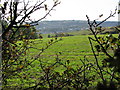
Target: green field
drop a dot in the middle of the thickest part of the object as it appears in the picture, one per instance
(72, 49)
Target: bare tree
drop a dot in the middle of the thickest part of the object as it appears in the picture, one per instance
(15, 15)
(108, 44)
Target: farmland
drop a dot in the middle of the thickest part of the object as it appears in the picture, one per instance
(59, 53)
(70, 51)
(71, 48)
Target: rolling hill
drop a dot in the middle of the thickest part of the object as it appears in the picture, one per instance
(46, 27)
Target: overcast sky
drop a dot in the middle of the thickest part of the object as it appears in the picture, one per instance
(78, 9)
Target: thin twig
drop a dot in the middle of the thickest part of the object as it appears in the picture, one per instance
(101, 74)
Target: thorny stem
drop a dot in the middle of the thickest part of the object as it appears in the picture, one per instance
(91, 26)
(96, 38)
(101, 74)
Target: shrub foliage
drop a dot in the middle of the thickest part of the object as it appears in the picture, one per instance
(20, 72)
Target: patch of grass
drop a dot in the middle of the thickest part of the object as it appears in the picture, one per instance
(75, 46)
(72, 48)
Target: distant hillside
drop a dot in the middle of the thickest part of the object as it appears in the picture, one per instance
(67, 26)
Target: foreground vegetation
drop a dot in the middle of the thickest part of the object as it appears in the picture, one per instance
(63, 62)
(70, 60)
(74, 62)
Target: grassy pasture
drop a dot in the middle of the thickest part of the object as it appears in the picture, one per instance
(72, 48)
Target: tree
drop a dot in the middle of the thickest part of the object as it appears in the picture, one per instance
(110, 63)
(17, 65)
(15, 18)
(28, 33)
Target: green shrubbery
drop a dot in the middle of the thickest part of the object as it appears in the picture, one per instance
(23, 70)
